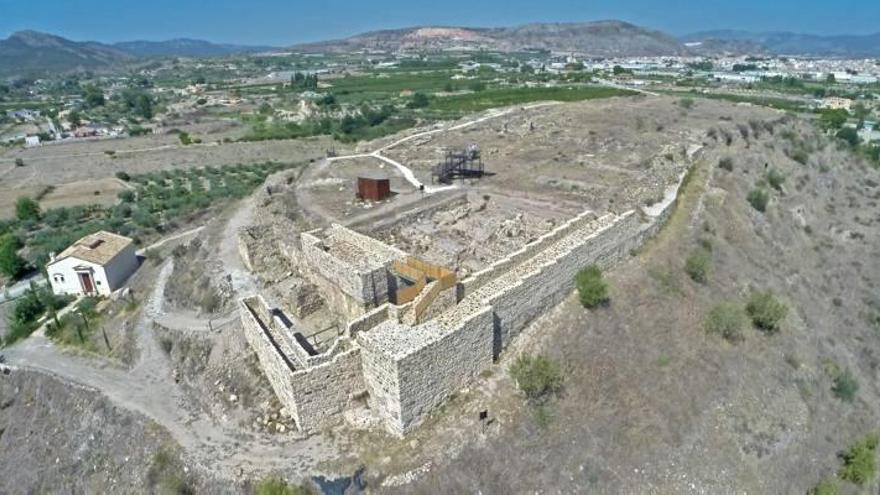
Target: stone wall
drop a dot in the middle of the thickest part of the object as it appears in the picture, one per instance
(409, 371)
(315, 393)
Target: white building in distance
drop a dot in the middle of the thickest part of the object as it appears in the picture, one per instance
(95, 265)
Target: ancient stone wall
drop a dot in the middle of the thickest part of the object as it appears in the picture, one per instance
(408, 371)
(319, 390)
(325, 390)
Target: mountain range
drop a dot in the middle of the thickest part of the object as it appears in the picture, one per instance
(785, 43)
(31, 52)
(600, 39)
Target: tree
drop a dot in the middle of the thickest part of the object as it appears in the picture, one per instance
(138, 102)
(93, 96)
(831, 79)
(477, 86)
(850, 135)
(11, 264)
(74, 118)
(419, 100)
(832, 119)
(27, 209)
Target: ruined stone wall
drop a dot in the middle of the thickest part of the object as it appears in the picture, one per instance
(409, 371)
(314, 393)
(341, 275)
(499, 267)
(550, 282)
(325, 390)
(381, 379)
(277, 368)
(433, 373)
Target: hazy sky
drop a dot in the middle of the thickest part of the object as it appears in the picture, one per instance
(280, 22)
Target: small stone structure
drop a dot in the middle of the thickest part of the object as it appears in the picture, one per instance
(407, 348)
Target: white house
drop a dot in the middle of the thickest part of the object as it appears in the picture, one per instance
(97, 264)
(31, 141)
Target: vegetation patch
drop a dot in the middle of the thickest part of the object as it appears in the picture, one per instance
(538, 377)
(860, 461)
(699, 265)
(592, 287)
(845, 386)
(766, 311)
(157, 203)
(277, 486)
(726, 320)
(758, 198)
(30, 309)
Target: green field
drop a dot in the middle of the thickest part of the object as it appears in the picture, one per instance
(458, 105)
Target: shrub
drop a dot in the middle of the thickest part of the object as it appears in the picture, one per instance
(859, 461)
(122, 175)
(126, 196)
(800, 155)
(538, 377)
(277, 486)
(726, 163)
(845, 386)
(698, 265)
(27, 209)
(726, 320)
(19, 162)
(686, 103)
(828, 486)
(758, 198)
(591, 286)
(775, 178)
(766, 311)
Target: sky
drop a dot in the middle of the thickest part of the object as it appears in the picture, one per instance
(282, 23)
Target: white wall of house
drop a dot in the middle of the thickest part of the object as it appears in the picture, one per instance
(64, 278)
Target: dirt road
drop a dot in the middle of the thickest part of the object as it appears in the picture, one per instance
(220, 447)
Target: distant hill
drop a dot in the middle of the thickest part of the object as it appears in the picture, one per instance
(184, 47)
(30, 52)
(35, 53)
(602, 38)
(784, 43)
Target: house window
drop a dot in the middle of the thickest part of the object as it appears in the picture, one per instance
(98, 282)
(58, 278)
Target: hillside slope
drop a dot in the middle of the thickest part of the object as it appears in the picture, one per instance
(784, 43)
(31, 52)
(652, 402)
(602, 38)
(184, 47)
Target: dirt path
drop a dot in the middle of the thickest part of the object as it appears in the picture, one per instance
(407, 172)
(218, 446)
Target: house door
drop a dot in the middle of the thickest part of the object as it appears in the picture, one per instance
(88, 285)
